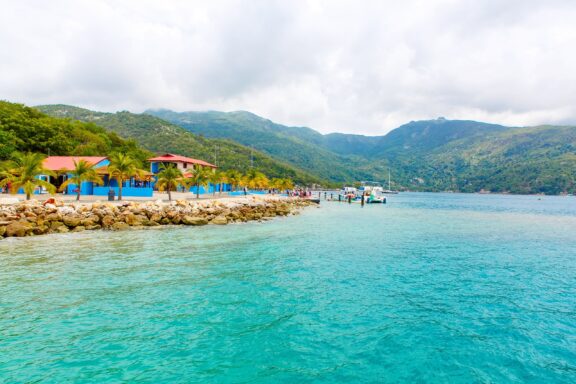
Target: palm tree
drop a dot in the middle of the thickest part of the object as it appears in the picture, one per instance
(23, 171)
(216, 177)
(200, 177)
(234, 177)
(169, 178)
(256, 179)
(82, 172)
(122, 167)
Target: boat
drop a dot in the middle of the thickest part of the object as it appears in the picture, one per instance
(389, 191)
(347, 192)
(372, 191)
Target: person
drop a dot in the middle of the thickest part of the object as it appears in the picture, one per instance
(245, 191)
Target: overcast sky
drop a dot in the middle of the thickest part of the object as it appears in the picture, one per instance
(346, 66)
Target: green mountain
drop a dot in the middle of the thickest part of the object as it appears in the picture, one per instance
(302, 147)
(431, 155)
(27, 129)
(158, 135)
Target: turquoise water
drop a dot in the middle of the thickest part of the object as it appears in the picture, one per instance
(431, 288)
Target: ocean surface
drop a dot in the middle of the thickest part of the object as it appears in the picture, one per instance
(430, 288)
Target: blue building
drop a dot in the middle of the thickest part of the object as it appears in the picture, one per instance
(64, 165)
(186, 165)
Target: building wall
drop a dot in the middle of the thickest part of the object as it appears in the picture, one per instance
(126, 191)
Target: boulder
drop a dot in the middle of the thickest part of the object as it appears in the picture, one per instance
(190, 220)
(55, 225)
(156, 217)
(120, 226)
(53, 217)
(62, 229)
(2, 230)
(18, 229)
(219, 220)
(108, 221)
(71, 221)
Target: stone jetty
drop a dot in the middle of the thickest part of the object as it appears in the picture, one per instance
(36, 218)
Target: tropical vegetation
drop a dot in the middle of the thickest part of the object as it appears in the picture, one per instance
(22, 172)
(169, 178)
(200, 177)
(122, 167)
(82, 172)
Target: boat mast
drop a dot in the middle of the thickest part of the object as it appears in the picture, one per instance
(389, 180)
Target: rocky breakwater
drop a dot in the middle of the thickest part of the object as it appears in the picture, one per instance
(34, 218)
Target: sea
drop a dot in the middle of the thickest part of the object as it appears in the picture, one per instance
(428, 288)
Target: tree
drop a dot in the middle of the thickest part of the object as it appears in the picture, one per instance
(256, 180)
(200, 177)
(216, 177)
(234, 177)
(82, 172)
(23, 171)
(123, 167)
(169, 178)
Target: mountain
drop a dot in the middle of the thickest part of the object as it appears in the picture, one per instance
(158, 135)
(302, 147)
(429, 155)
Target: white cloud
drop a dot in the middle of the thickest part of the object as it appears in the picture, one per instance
(348, 66)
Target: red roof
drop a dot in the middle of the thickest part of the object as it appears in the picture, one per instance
(57, 163)
(170, 158)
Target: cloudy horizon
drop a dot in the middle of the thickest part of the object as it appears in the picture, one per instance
(362, 67)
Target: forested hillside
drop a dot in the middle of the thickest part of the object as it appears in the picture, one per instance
(27, 129)
(159, 135)
(430, 155)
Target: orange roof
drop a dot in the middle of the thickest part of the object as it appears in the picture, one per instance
(170, 158)
(58, 163)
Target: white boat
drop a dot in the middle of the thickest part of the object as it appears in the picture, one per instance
(373, 193)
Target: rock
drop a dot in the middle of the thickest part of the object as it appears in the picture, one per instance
(120, 226)
(18, 229)
(89, 221)
(219, 220)
(79, 228)
(108, 221)
(53, 217)
(41, 229)
(190, 220)
(71, 221)
(62, 229)
(165, 221)
(55, 225)
(92, 227)
(156, 217)
(2, 230)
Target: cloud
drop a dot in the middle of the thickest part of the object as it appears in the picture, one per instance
(334, 65)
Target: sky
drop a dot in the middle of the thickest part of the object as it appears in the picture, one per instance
(359, 66)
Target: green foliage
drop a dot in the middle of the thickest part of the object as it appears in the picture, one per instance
(200, 177)
(123, 167)
(27, 129)
(168, 179)
(430, 155)
(159, 135)
(83, 171)
(22, 171)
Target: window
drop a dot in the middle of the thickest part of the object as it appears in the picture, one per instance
(185, 165)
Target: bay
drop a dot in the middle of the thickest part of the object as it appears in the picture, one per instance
(429, 288)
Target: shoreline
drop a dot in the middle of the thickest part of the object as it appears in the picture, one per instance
(32, 218)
